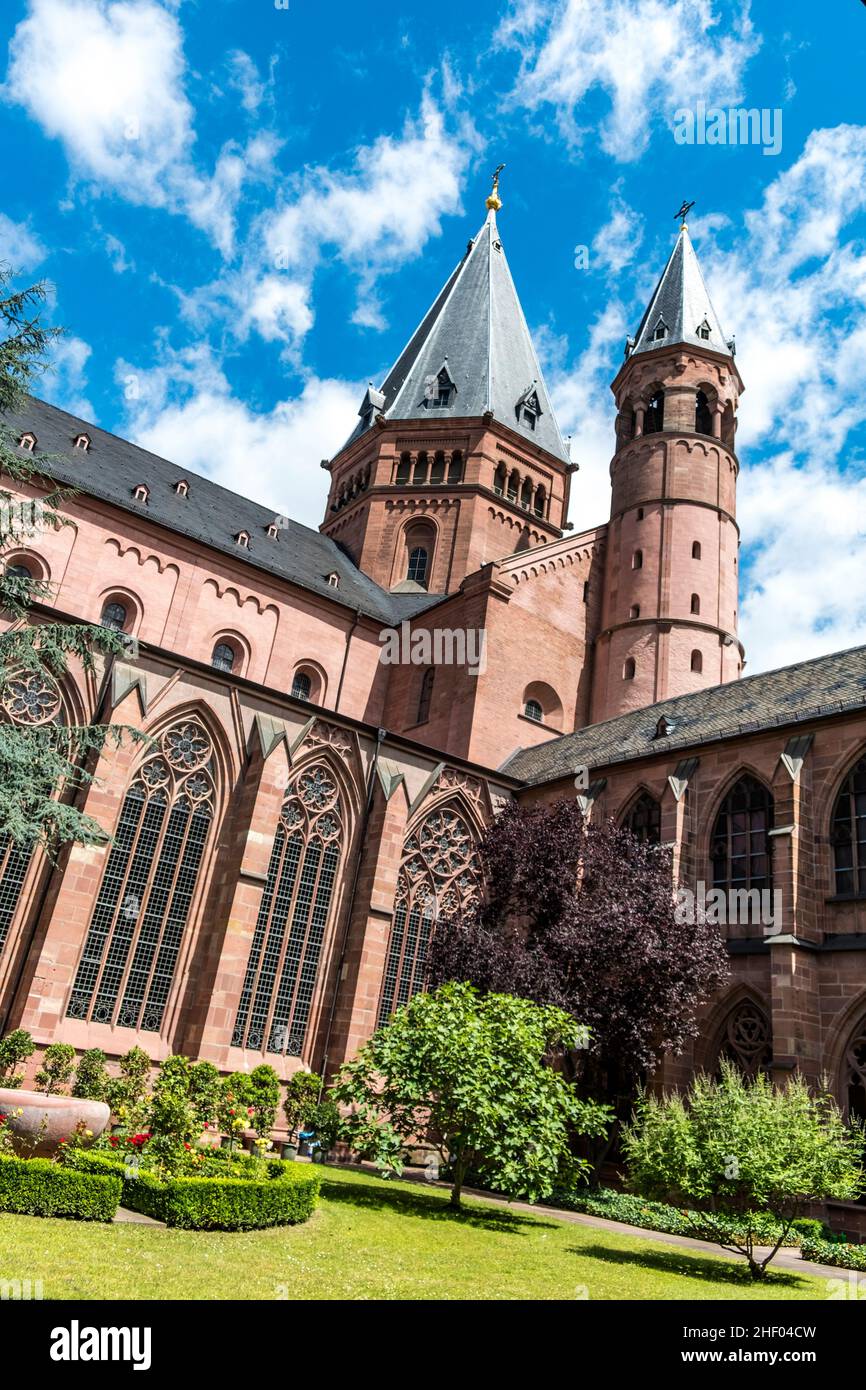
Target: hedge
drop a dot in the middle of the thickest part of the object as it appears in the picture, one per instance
(38, 1187)
(828, 1252)
(287, 1195)
(658, 1216)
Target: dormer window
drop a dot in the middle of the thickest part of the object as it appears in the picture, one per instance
(81, 441)
(182, 488)
(243, 539)
(273, 531)
(141, 493)
(529, 418)
(529, 408)
(664, 728)
(704, 330)
(371, 404)
(439, 390)
(334, 580)
(660, 332)
(28, 442)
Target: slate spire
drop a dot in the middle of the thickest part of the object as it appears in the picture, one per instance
(680, 310)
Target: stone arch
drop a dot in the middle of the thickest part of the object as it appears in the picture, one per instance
(707, 829)
(842, 768)
(718, 1025)
(846, 1027)
(642, 800)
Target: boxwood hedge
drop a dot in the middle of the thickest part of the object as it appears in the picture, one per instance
(38, 1187)
(828, 1252)
(284, 1194)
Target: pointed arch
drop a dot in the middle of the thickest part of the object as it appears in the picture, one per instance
(643, 816)
(847, 830)
(738, 843)
(739, 1029)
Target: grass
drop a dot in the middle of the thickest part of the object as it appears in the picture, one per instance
(374, 1239)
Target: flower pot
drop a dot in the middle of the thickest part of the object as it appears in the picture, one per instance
(289, 1151)
(48, 1119)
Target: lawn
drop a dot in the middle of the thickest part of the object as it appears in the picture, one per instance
(374, 1239)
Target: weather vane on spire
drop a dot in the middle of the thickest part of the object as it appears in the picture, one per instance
(685, 209)
(494, 202)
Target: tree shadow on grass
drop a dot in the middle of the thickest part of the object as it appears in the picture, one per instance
(430, 1206)
(678, 1261)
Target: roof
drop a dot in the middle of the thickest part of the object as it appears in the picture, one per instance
(476, 329)
(814, 689)
(680, 300)
(112, 468)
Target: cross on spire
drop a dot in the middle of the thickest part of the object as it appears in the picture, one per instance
(494, 202)
(684, 210)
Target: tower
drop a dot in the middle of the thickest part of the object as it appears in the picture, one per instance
(669, 616)
(457, 459)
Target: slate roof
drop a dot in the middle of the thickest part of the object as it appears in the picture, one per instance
(680, 298)
(477, 324)
(812, 689)
(113, 467)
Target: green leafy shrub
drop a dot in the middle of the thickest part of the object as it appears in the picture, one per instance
(128, 1092)
(281, 1194)
(235, 1113)
(204, 1092)
(659, 1216)
(263, 1093)
(301, 1100)
(38, 1187)
(58, 1063)
(15, 1048)
(91, 1079)
(831, 1252)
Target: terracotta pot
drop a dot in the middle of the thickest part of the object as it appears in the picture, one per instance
(55, 1116)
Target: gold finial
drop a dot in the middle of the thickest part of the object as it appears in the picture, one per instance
(494, 202)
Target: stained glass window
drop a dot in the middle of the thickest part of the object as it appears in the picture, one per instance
(741, 841)
(849, 832)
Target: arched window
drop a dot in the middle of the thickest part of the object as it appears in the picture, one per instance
(854, 1074)
(696, 550)
(425, 695)
(628, 669)
(500, 480)
(404, 468)
(417, 567)
(746, 1040)
(644, 820)
(513, 485)
(634, 611)
(284, 958)
(697, 662)
(637, 560)
(419, 473)
(114, 616)
(455, 467)
(223, 657)
(438, 876)
(654, 415)
(138, 924)
(301, 686)
(437, 472)
(540, 500)
(532, 710)
(848, 833)
(526, 495)
(703, 414)
(696, 603)
(19, 571)
(741, 837)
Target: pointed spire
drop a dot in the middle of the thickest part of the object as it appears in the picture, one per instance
(680, 310)
(475, 343)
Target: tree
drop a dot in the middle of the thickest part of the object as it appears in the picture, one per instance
(473, 1073)
(204, 1092)
(235, 1112)
(43, 762)
(58, 1063)
(172, 1115)
(582, 916)
(263, 1095)
(15, 1048)
(128, 1092)
(91, 1078)
(738, 1148)
(301, 1100)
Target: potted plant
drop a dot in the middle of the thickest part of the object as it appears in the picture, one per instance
(325, 1122)
(299, 1106)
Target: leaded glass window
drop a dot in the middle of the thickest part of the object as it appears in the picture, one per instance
(747, 1041)
(849, 832)
(854, 1079)
(284, 959)
(438, 876)
(135, 935)
(644, 820)
(741, 842)
(13, 867)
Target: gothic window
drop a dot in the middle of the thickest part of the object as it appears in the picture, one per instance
(14, 860)
(425, 695)
(29, 700)
(283, 964)
(301, 686)
(703, 414)
(697, 662)
(438, 877)
(741, 838)
(848, 833)
(417, 568)
(746, 1040)
(114, 616)
(854, 1075)
(654, 415)
(644, 820)
(628, 669)
(223, 657)
(532, 710)
(150, 877)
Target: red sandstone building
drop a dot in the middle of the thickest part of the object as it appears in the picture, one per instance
(305, 808)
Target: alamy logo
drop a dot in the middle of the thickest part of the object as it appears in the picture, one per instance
(731, 125)
(20, 1290)
(730, 907)
(438, 646)
(77, 1343)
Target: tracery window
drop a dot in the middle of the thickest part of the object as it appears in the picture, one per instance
(644, 820)
(741, 842)
(284, 957)
(134, 939)
(854, 1075)
(747, 1040)
(29, 699)
(848, 834)
(439, 875)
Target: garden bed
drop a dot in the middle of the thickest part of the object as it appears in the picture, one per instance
(38, 1187)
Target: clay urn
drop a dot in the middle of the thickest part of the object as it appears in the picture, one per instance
(48, 1119)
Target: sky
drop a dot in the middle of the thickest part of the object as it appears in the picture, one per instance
(243, 208)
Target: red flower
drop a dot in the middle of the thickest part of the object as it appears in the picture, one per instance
(187, 1146)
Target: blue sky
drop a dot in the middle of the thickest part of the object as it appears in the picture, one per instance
(245, 209)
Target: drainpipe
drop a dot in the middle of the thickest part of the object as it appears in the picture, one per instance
(381, 735)
(349, 635)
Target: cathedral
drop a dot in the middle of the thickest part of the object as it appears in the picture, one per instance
(335, 715)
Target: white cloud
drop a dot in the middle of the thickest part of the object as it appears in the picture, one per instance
(186, 411)
(618, 242)
(66, 376)
(107, 79)
(649, 57)
(20, 248)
